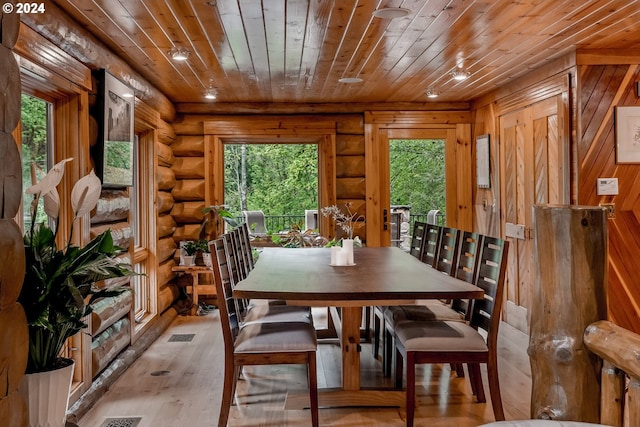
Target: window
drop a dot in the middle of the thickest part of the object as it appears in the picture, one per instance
(37, 149)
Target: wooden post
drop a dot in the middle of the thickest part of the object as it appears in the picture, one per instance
(570, 279)
(611, 403)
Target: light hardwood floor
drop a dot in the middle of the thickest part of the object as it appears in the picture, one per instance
(180, 383)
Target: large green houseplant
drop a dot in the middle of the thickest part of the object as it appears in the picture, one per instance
(58, 289)
(60, 283)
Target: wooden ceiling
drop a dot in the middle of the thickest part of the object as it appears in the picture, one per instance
(295, 51)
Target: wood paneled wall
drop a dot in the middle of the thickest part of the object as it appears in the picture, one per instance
(601, 88)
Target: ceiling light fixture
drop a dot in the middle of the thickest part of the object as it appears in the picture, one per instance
(210, 94)
(431, 93)
(460, 75)
(391, 12)
(350, 80)
(178, 54)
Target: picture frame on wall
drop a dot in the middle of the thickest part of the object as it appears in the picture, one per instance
(627, 134)
(114, 156)
(483, 162)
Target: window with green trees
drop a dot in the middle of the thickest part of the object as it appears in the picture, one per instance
(35, 149)
(417, 174)
(279, 179)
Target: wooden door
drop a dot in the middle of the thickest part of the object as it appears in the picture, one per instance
(534, 161)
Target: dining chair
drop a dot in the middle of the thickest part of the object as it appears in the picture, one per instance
(271, 343)
(415, 249)
(420, 342)
(245, 243)
(417, 236)
(431, 244)
(257, 311)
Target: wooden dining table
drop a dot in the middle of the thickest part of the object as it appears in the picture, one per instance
(380, 276)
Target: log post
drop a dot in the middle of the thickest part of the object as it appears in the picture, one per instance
(569, 294)
(633, 402)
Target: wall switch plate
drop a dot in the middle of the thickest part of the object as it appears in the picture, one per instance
(607, 186)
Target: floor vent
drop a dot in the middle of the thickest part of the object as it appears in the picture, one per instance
(181, 337)
(121, 422)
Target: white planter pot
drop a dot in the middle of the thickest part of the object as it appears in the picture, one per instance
(189, 260)
(206, 257)
(47, 396)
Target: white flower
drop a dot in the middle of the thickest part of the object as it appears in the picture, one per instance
(342, 220)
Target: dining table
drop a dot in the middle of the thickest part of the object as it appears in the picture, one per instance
(379, 276)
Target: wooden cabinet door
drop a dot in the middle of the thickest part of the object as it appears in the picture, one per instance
(534, 161)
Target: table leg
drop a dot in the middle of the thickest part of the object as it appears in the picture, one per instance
(350, 340)
(194, 292)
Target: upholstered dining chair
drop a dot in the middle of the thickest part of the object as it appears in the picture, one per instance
(415, 249)
(420, 342)
(270, 343)
(257, 311)
(431, 244)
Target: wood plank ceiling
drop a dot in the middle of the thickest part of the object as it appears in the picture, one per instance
(264, 51)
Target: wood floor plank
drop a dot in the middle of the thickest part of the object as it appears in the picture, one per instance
(189, 392)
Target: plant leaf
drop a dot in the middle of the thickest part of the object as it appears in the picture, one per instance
(50, 180)
(52, 203)
(85, 194)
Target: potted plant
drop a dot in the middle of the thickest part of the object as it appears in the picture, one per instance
(191, 248)
(59, 287)
(203, 245)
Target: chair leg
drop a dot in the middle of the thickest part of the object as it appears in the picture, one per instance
(411, 389)
(399, 370)
(376, 334)
(313, 389)
(228, 390)
(459, 369)
(494, 389)
(387, 350)
(475, 377)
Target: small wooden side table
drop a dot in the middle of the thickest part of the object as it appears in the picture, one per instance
(196, 288)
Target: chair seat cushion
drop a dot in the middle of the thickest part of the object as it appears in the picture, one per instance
(276, 337)
(278, 313)
(430, 311)
(540, 423)
(439, 337)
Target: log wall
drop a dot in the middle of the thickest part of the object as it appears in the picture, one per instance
(14, 335)
(192, 182)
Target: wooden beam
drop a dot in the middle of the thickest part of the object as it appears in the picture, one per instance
(324, 108)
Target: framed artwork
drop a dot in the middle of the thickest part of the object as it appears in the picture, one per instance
(483, 162)
(628, 134)
(115, 157)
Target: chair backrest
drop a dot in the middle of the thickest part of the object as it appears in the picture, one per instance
(466, 266)
(239, 253)
(255, 221)
(492, 264)
(310, 219)
(246, 244)
(432, 216)
(229, 318)
(234, 271)
(416, 239)
(448, 250)
(430, 243)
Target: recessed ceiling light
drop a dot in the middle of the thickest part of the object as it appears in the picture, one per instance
(210, 94)
(460, 75)
(391, 12)
(432, 93)
(178, 54)
(350, 80)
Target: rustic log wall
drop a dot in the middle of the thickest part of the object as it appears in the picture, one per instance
(14, 336)
(191, 183)
(603, 85)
